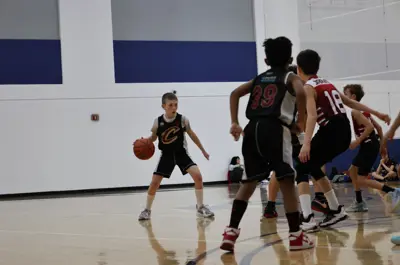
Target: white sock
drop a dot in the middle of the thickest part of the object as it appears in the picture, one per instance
(305, 202)
(199, 197)
(298, 233)
(332, 200)
(149, 202)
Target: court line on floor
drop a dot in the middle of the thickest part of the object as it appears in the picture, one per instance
(246, 260)
(121, 237)
(251, 254)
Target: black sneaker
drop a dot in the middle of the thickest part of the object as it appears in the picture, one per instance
(320, 205)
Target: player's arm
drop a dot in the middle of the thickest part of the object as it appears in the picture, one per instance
(394, 127)
(379, 169)
(193, 135)
(377, 127)
(361, 107)
(362, 120)
(236, 94)
(389, 135)
(311, 113)
(153, 136)
(301, 101)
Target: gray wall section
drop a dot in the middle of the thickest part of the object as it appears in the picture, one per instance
(29, 19)
(354, 38)
(183, 20)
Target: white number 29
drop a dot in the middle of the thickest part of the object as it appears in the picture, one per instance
(335, 101)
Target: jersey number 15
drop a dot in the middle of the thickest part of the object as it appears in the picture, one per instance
(263, 97)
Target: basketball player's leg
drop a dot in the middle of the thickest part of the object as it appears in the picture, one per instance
(319, 203)
(325, 146)
(256, 170)
(335, 143)
(364, 162)
(359, 168)
(282, 163)
(273, 189)
(186, 165)
(164, 169)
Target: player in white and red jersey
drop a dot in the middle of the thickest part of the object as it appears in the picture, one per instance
(367, 139)
(325, 105)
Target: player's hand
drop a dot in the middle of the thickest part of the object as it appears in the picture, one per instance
(354, 144)
(304, 155)
(236, 131)
(386, 137)
(385, 118)
(206, 155)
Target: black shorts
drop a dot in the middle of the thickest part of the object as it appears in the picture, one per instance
(169, 160)
(366, 156)
(330, 141)
(267, 147)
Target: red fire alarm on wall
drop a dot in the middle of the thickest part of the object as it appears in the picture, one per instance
(94, 117)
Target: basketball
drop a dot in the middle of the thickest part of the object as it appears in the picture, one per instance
(143, 148)
(396, 240)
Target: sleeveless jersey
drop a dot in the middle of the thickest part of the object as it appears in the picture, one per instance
(359, 128)
(328, 102)
(171, 135)
(270, 97)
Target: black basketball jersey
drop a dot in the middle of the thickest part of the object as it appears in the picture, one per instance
(270, 96)
(171, 135)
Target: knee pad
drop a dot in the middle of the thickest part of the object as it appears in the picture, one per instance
(317, 173)
(302, 178)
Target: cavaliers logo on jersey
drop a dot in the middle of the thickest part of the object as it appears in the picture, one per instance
(170, 135)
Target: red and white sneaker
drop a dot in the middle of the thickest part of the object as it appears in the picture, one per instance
(299, 240)
(230, 235)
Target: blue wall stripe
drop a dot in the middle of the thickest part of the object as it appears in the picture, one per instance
(343, 162)
(30, 62)
(184, 61)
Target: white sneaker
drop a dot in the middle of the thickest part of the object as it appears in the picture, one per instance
(308, 224)
(204, 211)
(145, 215)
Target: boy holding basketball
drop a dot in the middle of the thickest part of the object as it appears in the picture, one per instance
(170, 129)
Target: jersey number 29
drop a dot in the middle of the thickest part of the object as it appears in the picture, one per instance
(264, 97)
(335, 101)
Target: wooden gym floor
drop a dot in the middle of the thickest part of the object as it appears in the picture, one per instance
(104, 230)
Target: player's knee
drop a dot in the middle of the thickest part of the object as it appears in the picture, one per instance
(155, 183)
(197, 177)
(302, 173)
(361, 181)
(317, 173)
(302, 178)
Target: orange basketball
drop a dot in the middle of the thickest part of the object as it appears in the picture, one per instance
(143, 148)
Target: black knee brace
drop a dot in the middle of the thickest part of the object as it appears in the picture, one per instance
(302, 178)
(317, 173)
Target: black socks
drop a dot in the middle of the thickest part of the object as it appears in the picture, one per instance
(238, 209)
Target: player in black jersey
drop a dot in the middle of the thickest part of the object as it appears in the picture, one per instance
(170, 129)
(267, 146)
(273, 185)
(319, 202)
